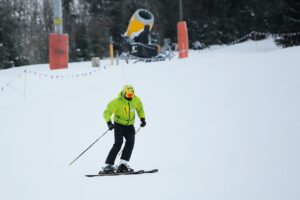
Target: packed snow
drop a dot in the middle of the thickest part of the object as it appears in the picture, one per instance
(221, 125)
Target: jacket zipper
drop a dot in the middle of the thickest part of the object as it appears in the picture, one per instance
(129, 113)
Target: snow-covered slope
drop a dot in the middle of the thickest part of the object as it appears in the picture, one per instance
(221, 125)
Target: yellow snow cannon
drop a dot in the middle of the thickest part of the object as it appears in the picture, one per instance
(137, 22)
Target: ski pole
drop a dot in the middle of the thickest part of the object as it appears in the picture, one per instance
(135, 134)
(138, 130)
(88, 147)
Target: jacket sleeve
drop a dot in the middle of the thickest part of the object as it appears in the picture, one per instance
(110, 109)
(140, 109)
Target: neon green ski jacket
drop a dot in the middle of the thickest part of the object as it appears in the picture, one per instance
(124, 110)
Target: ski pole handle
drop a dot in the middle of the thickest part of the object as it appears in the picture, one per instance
(88, 147)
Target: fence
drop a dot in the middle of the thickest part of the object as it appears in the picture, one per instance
(51, 75)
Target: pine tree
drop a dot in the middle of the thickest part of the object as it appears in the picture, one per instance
(291, 20)
(9, 48)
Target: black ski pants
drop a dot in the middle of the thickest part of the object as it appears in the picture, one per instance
(128, 132)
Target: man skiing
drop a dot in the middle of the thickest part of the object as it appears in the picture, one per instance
(123, 108)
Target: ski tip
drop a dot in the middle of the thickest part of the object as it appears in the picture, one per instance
(152, 171)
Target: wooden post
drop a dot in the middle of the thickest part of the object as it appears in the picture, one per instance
(111, 50)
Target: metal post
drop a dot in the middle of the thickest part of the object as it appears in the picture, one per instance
(58, 18)
(25, 83)
(117, 57)
(180, 11)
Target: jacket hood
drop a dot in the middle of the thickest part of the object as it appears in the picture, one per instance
(122, 93)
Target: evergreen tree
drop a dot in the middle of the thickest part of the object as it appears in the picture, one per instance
(26, 24)
(9, 47)
(291, 20)
(99, 26)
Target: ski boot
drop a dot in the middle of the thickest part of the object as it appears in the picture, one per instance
(108, 169)
(123, 168)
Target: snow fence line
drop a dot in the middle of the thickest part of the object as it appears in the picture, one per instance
(253, 34)
(49, 76)
(9, 83)
(250, 35)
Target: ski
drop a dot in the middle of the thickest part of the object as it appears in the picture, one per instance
(115, 174)
(126, 173)
(150, 171)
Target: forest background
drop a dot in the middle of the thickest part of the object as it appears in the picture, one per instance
(26, 24)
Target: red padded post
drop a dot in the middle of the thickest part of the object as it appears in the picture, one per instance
(58, 51)
(183, 40)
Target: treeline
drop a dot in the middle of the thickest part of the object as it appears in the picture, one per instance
(26, 24)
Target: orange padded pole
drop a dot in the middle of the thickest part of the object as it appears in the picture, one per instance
(183, 40)
(58, 51)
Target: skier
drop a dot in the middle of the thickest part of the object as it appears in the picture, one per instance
(123, 108)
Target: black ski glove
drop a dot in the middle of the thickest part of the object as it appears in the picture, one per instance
(110, 125)
(143, 122)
